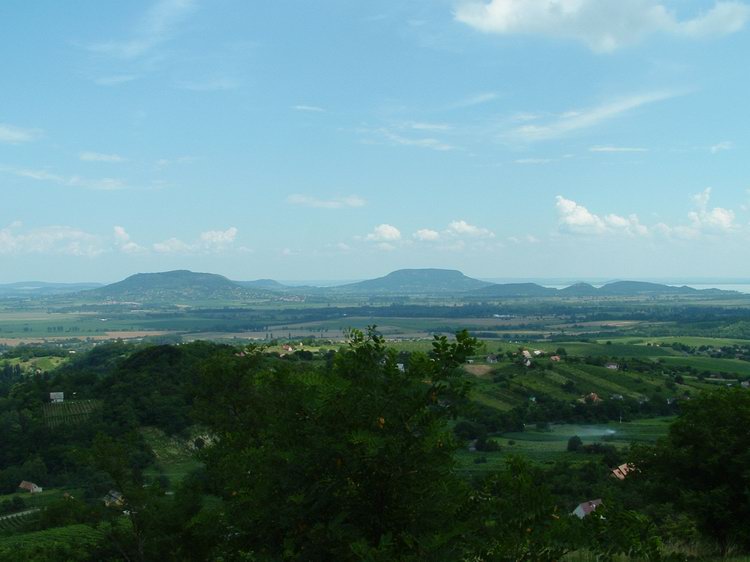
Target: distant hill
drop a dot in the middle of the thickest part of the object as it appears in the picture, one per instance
(176, 287)
(415, 281)
(269, 284)
(579, 290)
(614, 289)
(515, 290)
(636, 288)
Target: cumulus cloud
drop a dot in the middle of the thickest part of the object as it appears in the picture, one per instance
(603, 25)
(335, 203)
(715, 219)
(124, 243)
(463, 228)
(384, 233)
(10, 134)
(209, 242)
(64, 240)
(426, 235)
(575, 218)
(173, 246)
(218, 238)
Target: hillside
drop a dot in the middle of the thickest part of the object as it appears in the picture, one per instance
(635, 288)
(415, 281)
(515, 290)
(176, 286)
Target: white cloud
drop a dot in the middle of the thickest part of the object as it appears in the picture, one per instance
(716, 219)
(218, 239)
(428, 142)
(719, 147)
(10, 134)
(156, 27)
(209, 242)
(463, 228)
(630, 225)
(528, 239)
(173, 246)
(384, 233)
(309, 108)
(336, 203)
(426, 235)
(617, 149)
(115, 80)
(476, 99)
(124, 243)
(573, 121)
(99, 157)
(603, 25)
(64, 240)
(101, 184)
(575, 218)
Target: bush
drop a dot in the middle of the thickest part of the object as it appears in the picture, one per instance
(574, 444)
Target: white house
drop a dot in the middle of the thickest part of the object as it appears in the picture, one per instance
(586, 508)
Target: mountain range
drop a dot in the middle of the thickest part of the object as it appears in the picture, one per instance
(183, 286)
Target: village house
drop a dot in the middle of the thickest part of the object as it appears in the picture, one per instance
(586, 508)
(622, 471)
(113, 498)
(30, 487)
(56, 397)
(612, 366)
(555, 358)
(526, 353)
(492, 359)
(538, 353)
(591, 397)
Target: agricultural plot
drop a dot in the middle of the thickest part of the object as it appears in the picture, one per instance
(549, 446)
(727, 366)
(16, 522)
(508, 385)
(69, 412)
(65, 543)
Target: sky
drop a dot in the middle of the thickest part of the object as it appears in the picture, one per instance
(344, 139)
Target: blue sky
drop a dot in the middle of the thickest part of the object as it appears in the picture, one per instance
(341, 139)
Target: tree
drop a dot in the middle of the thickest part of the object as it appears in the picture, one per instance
(701, 466)
(574, 444)
(349, 462)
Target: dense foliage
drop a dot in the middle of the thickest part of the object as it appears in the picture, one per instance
(345, 456)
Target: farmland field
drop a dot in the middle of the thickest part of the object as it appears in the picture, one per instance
(549, 446)
(69, 412)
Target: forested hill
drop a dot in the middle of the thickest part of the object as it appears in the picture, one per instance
(416, 281)
(177, 286)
